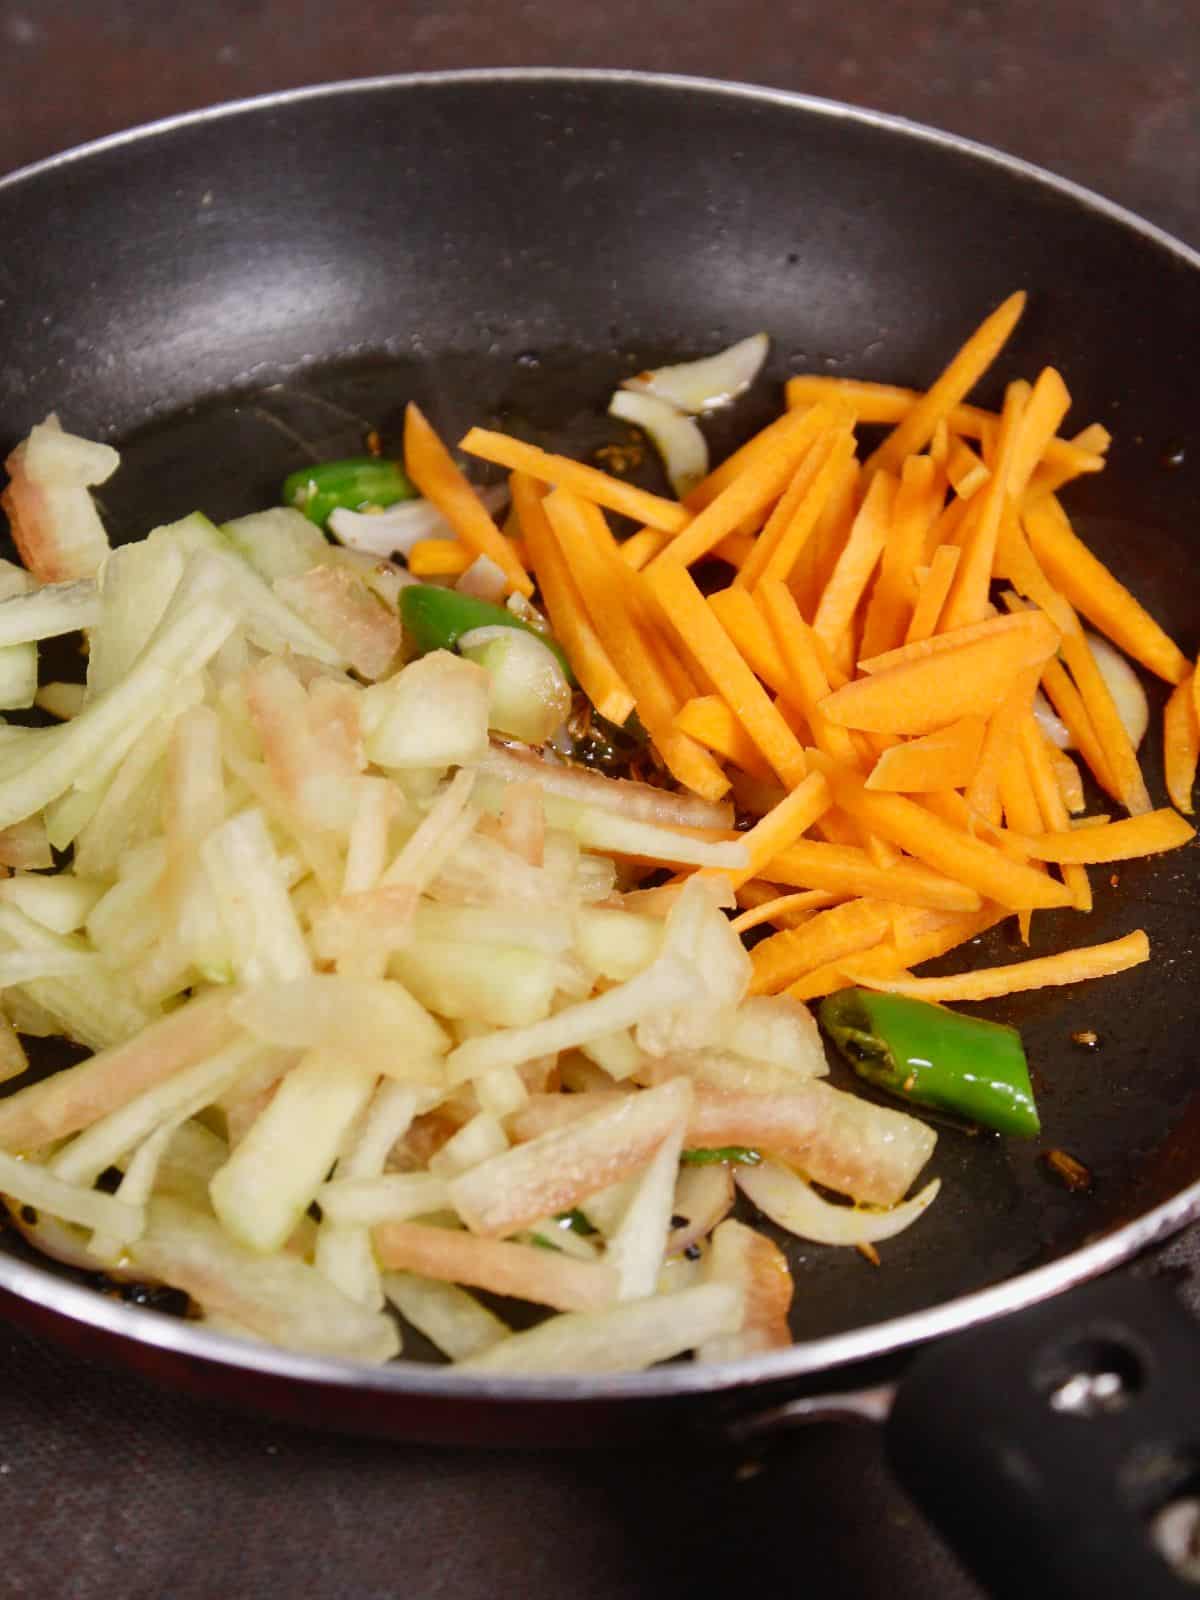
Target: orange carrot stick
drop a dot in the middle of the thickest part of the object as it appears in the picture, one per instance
(853, 570)
(931, 593)
(751, 491)
(1091, 588)
(1070, 966)
(895, 592)
(968, 598)
(1181, 743)
(431, 467)
(607, 582)
(781, 827)
(1042, 783)
(845, 869)
(695, 621)
(708, 720)
(1148, 834)
(592, 664)
(955, 382)
(944, 759)
(919, 696)
(805, 672)
(589, 483)
(886, 403)
(830, 936)
(921, 833)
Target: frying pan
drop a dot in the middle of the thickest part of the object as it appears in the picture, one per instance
(230, 293)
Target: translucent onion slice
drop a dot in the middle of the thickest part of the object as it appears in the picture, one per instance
(710, 382)
(1124, 685)
(678, 440)
(703, 1197)
(641, 801)
(1051, 723)
(383, 533)
(792, 1203)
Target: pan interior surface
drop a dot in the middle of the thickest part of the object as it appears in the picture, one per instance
(230, 296)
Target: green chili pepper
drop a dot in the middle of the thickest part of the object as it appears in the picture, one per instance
(356, 482)
(436, 619)
(737, 1154)
(576, 1222)
(935, 1057)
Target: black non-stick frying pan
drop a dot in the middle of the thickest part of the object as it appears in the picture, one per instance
(232, 293)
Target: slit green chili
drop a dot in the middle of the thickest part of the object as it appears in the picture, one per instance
(436, 619)
(350, 484)
(734, 1154)
(935, 1057)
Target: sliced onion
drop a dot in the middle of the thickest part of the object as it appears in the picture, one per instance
(710, 382)
(383, 533)
(483, 579)
(639, 800)
(792, 1203)
(1124, 685)
(1051, 723)
(703, 1197)
(678, 440)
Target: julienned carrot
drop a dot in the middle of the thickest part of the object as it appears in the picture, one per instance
(1181, 743)
(642, 547)
(755, 452)
(588, 482)
(606, 581)
(1051, 807)
(944, 759)
(893, 957)
(932, 590)
(749, 493)
(917, 830)
(796, 491)
(696, 622)
(967, 601)
(796, 646)
(887, 403)
(439, 558)
(1048, 405)
(853, 571)
(431, 467)
(781, 827)
(922, 695)
(763, 904)
(954, 383)
(1068, 703)
(745, 624)
(1022, 566)
(983, 787)
(778, 558)
(921, 649)
(564, 604)
(829, 936)
(820, 553)
(708, 720)
(1045, 972)
(1091, 588)
(848, 870)
(895, 592)
(966, 472)
(1146, 835)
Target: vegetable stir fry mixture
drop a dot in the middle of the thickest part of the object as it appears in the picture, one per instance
(395, 992)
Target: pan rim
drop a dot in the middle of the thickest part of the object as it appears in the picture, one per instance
(39, 1287)
(837, 110)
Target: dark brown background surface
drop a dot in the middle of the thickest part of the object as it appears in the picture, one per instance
(107, 1487)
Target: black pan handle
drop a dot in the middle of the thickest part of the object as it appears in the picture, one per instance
(1058, 1449)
